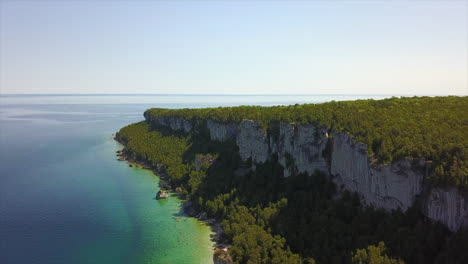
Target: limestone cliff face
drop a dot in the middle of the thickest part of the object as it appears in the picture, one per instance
(303, 145)
(447, 206)
(175, 123)
(392, 186)
(300, 148)
(253, 142)
(221, 131)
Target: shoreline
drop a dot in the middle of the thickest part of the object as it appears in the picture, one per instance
(220, 247)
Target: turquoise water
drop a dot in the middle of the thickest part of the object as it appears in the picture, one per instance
(66, 199)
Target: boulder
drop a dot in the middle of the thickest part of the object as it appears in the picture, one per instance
(162, 194)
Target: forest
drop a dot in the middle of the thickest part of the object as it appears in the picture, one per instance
(434, 128)
(268, 218)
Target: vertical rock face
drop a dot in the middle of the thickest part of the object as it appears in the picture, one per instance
(303, 144)
(221, 131)
(175, 123)
(448, 206)
(252, 142)
(309, 144)
(198, 162)
(390, 187)
(299, 149)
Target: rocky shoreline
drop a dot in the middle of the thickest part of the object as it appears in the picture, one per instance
(220, 254)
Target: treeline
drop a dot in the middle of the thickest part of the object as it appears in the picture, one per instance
(435, 128)
(315, 223)
(299, 219)
(251, 243)
(151, 146)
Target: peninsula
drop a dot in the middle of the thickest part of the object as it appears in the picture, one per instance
(334, 182)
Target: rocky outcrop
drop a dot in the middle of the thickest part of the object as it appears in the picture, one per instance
(392, 186)
(447, 206)
(221, 131)
(162, 194)
(301, 148)
(253, 142)
(203, 161)
(221, 256)
(175, 123)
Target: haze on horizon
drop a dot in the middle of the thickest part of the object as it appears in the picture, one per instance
(234, 47)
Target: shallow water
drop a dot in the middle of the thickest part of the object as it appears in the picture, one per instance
(66, 199)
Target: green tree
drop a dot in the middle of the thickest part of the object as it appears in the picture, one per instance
(374, 255)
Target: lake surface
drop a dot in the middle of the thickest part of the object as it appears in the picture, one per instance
(64, 198)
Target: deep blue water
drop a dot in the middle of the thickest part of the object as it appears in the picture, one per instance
(65, 199)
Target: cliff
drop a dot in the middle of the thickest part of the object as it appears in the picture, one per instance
(307, 148)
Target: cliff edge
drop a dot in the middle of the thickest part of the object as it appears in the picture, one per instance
(307, 148)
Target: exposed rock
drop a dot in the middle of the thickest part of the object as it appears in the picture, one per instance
(203, 161)
(175, 123)
(221, 131)
(163, 184)
(303, 145)
(162, 194)
(203, 216)
(448, 206)
(299, 149)
(180, 192)
(188, 208)
(390, 187)
(198, 163)
(252, 142)
(221, 256)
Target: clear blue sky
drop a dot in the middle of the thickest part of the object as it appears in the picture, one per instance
(234, 47)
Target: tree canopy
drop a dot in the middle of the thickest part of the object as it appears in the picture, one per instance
(268, 218)
(434, 128)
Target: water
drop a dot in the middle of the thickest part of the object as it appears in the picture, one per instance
(66, 199)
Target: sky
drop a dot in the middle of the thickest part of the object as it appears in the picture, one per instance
(234, 47)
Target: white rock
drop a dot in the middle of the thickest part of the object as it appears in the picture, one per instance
(304, 144)
(221, 131)
(175, 123)
(448, 206)
(252, 142)
(389, 187)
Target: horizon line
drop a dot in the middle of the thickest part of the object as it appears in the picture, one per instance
(188, 94)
